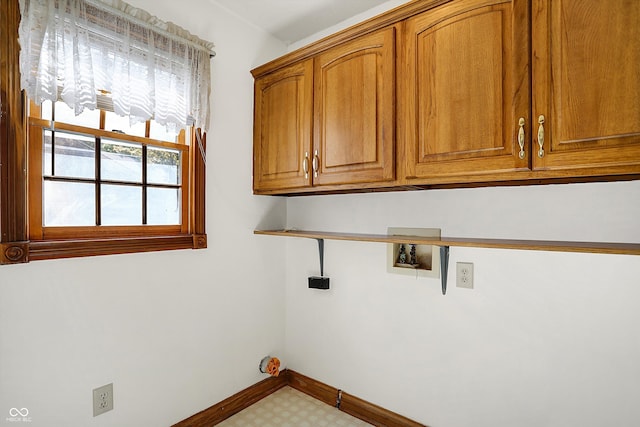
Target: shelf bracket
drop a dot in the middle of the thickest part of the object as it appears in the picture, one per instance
(444, 267)
(320, 282)
(321, 253)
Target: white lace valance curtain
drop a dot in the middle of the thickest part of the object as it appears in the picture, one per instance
(74, 49)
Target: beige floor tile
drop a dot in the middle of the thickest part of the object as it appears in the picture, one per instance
(288, 407)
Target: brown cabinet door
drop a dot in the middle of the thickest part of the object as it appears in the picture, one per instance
(465, 87)
(354, 131)
(586, 84)
(283, 108)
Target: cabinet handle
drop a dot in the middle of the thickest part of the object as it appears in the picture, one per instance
(541, 136)
(315, 163)
(305, 165)
(521, 137)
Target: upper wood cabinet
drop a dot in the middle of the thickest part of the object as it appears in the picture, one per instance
(455, 92)
(354, 111)
(283, 109)
(586, 85)
(468, 65)
(348, 94)
(465, 86)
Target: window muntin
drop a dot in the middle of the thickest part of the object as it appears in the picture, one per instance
(94, 178)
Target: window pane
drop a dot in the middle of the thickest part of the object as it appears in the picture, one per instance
(116, 123)
(88, 118)
(163, 166)
(46, 110)
(46, 153)
(69, 203)
(121, 205)
(121, 161)
(74, 155)
(160, 132)
(163, 206)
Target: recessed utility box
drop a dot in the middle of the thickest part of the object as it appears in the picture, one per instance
(425, 262)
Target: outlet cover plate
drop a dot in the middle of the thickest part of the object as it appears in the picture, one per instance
(464, 275)
(102, 399)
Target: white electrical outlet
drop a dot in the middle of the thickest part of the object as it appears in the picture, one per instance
(102, 399)
(464, 275)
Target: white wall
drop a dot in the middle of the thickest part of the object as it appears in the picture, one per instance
(374, 11)
(175, 331)
(544, 339)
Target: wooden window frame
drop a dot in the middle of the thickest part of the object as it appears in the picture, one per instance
(16, 246)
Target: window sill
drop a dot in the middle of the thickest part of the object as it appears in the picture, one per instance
(35, 250)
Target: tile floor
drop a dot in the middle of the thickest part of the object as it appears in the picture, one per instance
(288, 407)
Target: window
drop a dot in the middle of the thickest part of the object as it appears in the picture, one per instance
(83, 180)
(95, 170)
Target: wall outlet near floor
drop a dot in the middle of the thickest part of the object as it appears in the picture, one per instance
(102, 399)
(464, 275)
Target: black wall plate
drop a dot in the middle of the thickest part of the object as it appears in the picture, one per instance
(317, 282)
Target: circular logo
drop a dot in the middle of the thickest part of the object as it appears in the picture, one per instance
(14, 412)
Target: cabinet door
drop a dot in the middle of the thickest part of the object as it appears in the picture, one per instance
(466, 87)
(283, 108)
(354, 106)
(586, 84)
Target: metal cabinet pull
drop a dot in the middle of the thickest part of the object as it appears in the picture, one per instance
(315, 163)
(305, 165)
(521, 137)
(541, 136)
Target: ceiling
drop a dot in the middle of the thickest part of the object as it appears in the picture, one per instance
(293, 20)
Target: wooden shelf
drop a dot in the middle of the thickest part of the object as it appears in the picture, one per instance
(537, 245)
